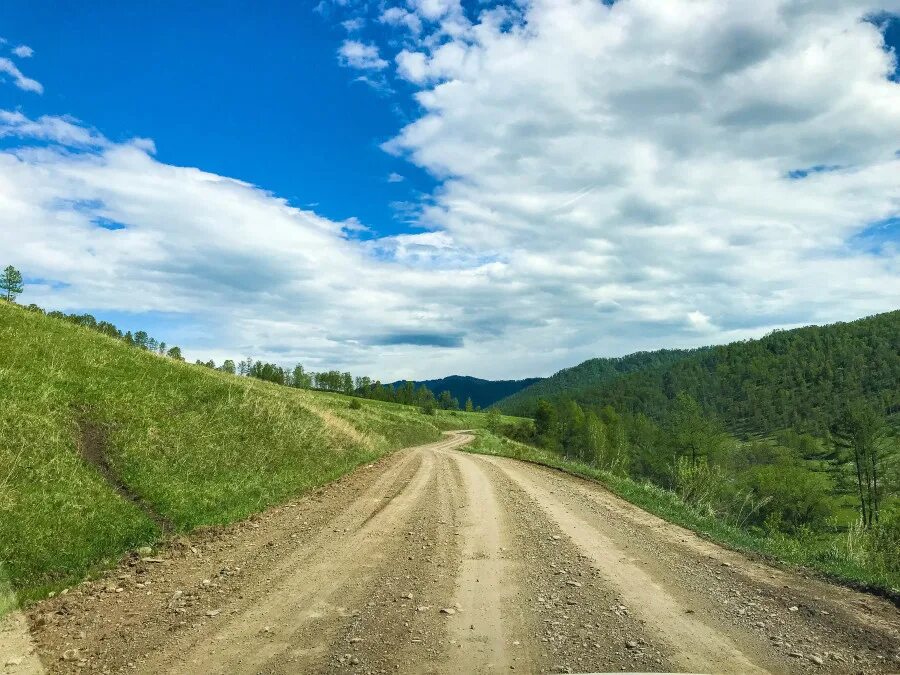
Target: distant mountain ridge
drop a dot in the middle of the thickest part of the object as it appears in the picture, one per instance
(483, 393)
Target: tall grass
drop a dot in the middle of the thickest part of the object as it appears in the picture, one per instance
(192, 446)
(863, 559)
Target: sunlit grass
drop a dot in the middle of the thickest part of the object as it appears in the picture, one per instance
(198, 447)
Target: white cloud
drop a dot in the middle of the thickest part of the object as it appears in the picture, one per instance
(395, 177)
(23, 51)
(353, 25)
(412, 66)
(64, 130)
(634, 159)
(355, 54)
(397, 16)
(20, 80)
(433, 10)
(611, 178)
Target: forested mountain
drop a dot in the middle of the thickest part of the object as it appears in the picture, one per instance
(796, 379)
(482, 392)
(587, 375)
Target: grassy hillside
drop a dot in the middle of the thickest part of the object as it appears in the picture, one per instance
(482, 392)
(587, 375)
(796, 379)
(104, 446)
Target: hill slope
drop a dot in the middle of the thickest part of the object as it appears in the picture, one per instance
(591, 373)
(794, 378)
(104, 446)
(482, 392)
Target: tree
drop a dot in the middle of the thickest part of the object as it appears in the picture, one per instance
(175, 353)
(228, 367)
(300, 378)
(346, 383)
(691, 434)
(447, 401)
(141, 339)
(860, 438)
(493, 420)
(407, 393)
(545, 423)
(469, 406)
(244, 366)
(11, 283)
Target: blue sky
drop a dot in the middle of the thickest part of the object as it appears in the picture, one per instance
(415, 188)
(242, 89)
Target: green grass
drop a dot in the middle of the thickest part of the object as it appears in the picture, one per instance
(832, 555)
(198, 447)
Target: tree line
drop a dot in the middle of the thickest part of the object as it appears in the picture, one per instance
(343, 383)
(12, 285)
(788, 481)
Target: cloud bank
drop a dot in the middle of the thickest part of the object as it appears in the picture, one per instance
(612, 177)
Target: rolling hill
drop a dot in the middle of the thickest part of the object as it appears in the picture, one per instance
(105, 447)
(796, 379)
(590, 373)
(483, 393)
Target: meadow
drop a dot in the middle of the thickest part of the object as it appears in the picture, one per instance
(105, 448)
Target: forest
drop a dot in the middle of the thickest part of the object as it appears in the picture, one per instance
(791, 435)
(791, 379)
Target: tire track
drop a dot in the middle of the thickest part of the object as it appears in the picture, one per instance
(695, 646)
(485, 585)
(305, 597)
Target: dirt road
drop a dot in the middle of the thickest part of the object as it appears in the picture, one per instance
(434, 560)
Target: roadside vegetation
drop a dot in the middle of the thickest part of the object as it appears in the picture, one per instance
(104, 447)
(829, 504)
(789, 445)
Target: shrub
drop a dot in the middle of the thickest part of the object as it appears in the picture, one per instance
(884, 543)
(355, 404)
(698, 483)
(794, 496)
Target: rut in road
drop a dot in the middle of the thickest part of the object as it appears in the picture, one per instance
(436, 560)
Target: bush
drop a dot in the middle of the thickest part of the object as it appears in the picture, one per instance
(698, 483)
(428, 407)
(355, 404)
(884, 543)
(792, 496)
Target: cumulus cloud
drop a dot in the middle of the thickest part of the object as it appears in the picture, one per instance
(63, 130)
(611, 177)
(397, 16)
(23, 51)
(19, 79)
(262, 276)
(637, 158)
(355, 54)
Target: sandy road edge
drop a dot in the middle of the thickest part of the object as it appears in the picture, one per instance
(18, 655)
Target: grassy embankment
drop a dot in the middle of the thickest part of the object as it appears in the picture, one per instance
(104, 447)
(836, 556)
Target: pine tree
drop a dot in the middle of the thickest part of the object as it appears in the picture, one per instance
(11, 283)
